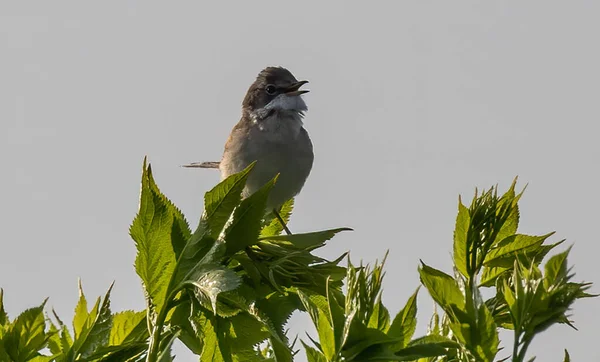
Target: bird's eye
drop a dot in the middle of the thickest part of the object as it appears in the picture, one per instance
(271, 89)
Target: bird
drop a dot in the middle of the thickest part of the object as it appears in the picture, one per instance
(271, 132)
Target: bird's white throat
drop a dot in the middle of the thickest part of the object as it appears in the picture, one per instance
(287, 103)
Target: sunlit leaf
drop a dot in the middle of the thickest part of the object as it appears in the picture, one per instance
(442, 288)
(275, 228)
(461, 230)
(153, 231)
(404, 324)
(123, 325)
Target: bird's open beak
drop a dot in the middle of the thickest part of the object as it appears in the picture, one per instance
(293, 90)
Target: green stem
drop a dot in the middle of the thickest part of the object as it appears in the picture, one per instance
(524, 349)
(157, 331)
(515, 354)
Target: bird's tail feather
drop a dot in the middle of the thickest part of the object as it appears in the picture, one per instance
(211, 164)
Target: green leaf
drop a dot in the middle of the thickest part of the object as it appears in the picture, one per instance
(318, 308)
(487, 335)
(244, 228)
(3, 315)
(211, 280)
(154, 230)
(96, 331)
(220, 202)
(26, 334)
(275, 228)
(503, 253)
(380, 319)
(556, 270)
(567, 356)
(306, 240)
(230, 339)
(404, 324)
(428, 346)
(461, 229)
(124, 324)
(510, 225)
(363, 348)
(81, 313)
(312, 355)
(442, 288)
(181, 229)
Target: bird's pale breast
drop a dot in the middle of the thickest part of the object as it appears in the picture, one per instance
(280, 145)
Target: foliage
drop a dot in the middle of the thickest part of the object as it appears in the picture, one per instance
(227, 289)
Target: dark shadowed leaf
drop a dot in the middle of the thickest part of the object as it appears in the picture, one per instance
(220, 202)
(244, 228)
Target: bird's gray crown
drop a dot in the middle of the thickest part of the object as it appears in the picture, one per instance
(275, 88)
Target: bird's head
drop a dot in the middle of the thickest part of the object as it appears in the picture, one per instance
(275, 88)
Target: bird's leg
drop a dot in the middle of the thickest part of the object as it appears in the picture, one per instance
(287, 231)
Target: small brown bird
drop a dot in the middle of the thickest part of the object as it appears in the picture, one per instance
(270, 132)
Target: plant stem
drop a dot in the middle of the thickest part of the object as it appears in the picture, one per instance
(515, 353)
(524, 349)
(154, 343)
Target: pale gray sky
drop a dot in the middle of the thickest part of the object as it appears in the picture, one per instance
(411, 104)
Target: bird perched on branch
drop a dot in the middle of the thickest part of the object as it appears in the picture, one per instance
(270, 132)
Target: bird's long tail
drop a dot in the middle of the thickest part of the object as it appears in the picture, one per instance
(211, 164)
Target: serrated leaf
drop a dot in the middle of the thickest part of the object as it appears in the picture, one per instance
(210, 280)
(404, 324)
(512, 244)
(275, 228)
(306, 240)
(220, 202)
(181, 229)
(96, 331)
(244, 228)
(555, 269)
(461, 229)
(26, 334)
(154, 231)
(81, 313)
(510, 225)
(230, 339)
(442, 288)
(123, 324)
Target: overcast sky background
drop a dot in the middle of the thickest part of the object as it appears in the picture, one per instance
(412, 103)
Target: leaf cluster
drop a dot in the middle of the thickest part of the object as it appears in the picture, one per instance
(227, 288)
